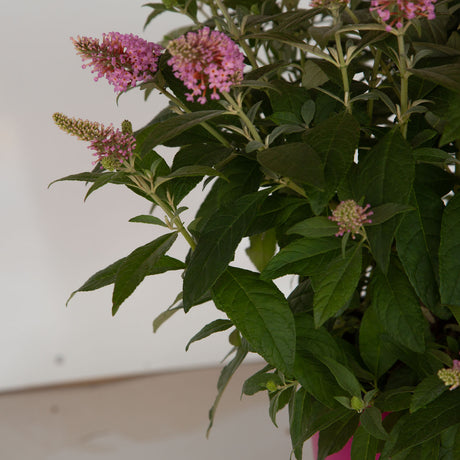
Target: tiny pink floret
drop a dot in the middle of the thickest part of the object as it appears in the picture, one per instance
(206, 60)
(398, 11)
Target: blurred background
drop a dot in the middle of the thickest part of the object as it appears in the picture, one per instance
(54, 357)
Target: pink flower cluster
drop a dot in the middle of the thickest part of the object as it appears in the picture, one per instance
(396, 11)
(451, 376)
(123, 59)
(206, 59)
(111, 146)
(350, 217)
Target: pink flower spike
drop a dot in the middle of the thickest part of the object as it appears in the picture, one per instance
(123, 59)
(206, 59)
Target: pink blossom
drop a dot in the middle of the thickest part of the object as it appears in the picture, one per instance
(123, 59)
(206, 60)
(111, 146)
(350, 217)
(396, 11)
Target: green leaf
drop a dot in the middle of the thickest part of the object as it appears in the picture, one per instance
(345, 378)
(385, 175)
(371, 420)
(217, 244)
(398, 308)
(83, 177)
(447, 75)
(224, 379)
(261, 249)
(260, 382)
(261, 313)
(314, 227)
(137, 266)
(335, 286)
(148, 219)
(427, 391)
(386, 211)
(449, 253)
(104, 179)
(417, 242)
(107, 275)
(278, 400)
(334, 438)
(297, 161)
(189, 171)
(313, 76)
(299, 412)
(372, 343)
(163, 131)
(305, 256)
(164, 316)
(218, 325)
(432, 155)
(414, 429)
(335, 140)
(364, 446)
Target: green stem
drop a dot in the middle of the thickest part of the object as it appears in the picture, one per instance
(373, 83)
(343, 71)
(244, 117)
(205, 125)
(145, 185)
(404, 77)
(236, 34)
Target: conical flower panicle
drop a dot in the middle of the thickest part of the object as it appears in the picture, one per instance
(111, 146)
(123, 59)
(206, 60)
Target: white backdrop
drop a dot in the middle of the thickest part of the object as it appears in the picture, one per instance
(51, 241)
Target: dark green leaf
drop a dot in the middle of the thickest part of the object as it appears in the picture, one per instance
(137, 266)
(161, 132)
(385, 176)
(334, 438)
(260, 382)
(345, 378)
(447, 75)
(449, 253)
(372, 343)
(425, 424)
(314, 227)
(297, 161)
(334, 287)
(305, 256)
(164, 316)
(107, 275)
(371, 420)
(427, 390)
(224, 379)
(417, 242)
(261, 313)
(189, 171)
(261, 249)
(218, 325)
(217, 244)
(299, 411)
(278, 400)
(364, 445)
(83, 177)
(148, 219)
(432, 155)
(386, 211)
(398, 308)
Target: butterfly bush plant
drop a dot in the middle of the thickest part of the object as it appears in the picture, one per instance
(326, 139)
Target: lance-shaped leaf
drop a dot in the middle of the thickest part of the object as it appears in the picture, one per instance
(218, 325)
(447, 75)
(161, 132)
(335, 286)
(137, 266)
(107, 275)
(398, 308)
(449, 253)
(335, 140)
(305, 256)
(417, 242)
(372, 343)
(297, 161)
(314, 227)
(364, 446)
(299, 414)
(261, 313)
(426, 391)
(217, 244)
(414, 429)
(385, 175)
(189, 171)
